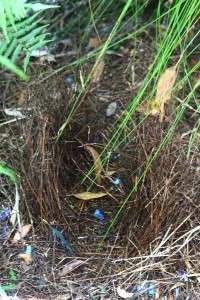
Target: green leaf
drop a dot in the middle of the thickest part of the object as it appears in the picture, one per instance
(12, 67)
(40, 6)
(9, 173)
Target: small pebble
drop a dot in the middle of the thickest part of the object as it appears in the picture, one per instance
(111, 109)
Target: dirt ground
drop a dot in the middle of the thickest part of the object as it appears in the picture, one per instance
(155, 237)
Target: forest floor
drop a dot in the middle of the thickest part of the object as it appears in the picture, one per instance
(152, 249)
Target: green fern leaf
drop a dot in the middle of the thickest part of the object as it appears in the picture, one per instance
(16, 52)
(8, 12)
(12, 67)
(3, 47)
(3, 21)
(32, 34)
(39, 45)
(11, 47)
(26, 61)
(35, 40)
(25, 28)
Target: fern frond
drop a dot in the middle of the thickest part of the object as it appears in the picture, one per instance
(17, 52)
(27, 38)
(35, 40)
(10, 48)
(32, 34)
(26, 60)
(12, 10)
(12, 67)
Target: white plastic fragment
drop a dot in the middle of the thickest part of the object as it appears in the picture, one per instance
(14, 113)
(3, 293)
(122, 293)
(111, 109)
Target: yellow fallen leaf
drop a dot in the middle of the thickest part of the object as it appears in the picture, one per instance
(26, 257)
(165, 84)
(98, 71)
(20, 235)
(163, 95)
(89, 195)
(94, 43)
(97, 163)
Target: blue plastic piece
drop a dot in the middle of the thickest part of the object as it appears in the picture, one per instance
(5, 230)
(117, 181)
(151, 291)
(28, 249)
(62, 238)
(183, 276)
(176, 293)
(141, 287)
(4, 214)
(117, 155)
(69, 80)
(40, 281)
(99, 215)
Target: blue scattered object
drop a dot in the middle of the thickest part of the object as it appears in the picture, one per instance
(176, 293)
(69, 80)
(63, 240)
(28, 249)
(4, 214)
(5, 230)
(141, 287)
(116, 181)
(99, 215)
(117, 155)
(151, 291)
(40, 281)
(183, 276)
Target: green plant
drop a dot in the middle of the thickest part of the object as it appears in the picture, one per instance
(20, 32)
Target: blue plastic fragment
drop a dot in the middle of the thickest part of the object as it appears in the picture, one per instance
(99, 215)
(69, 80)
(182, 276)
(63, 240)
(40, 281)
(5, 230)
(116, 181)
(151, 291)
(4, 214)
(176, 293)
(117, 155)
(28, 249)
(141, 287)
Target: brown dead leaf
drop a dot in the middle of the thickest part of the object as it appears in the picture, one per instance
(89, 195)
(98, 71)
(22, 97)
(97, 163)
(163, 95)
(71, 266)
(26, 257)
(95, 43)
(23, 232)
(165, 84)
